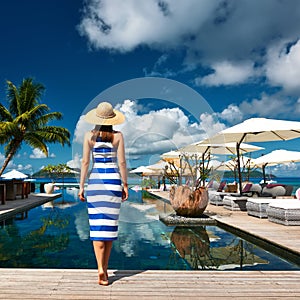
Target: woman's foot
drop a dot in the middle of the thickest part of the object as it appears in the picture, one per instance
(102, 278)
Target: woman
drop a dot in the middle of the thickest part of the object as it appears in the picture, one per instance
(104, 192)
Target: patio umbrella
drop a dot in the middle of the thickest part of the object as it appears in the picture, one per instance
(232, 165)
(205, 146)
(141, 170)
(276, 157)
(219, 148)
(256, 130)
(14, 174)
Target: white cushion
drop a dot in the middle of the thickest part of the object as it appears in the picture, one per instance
(285, 203)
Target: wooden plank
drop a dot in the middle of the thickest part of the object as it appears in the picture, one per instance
(82, 284)
(13, 207)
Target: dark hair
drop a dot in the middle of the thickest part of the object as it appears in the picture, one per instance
(106, 132)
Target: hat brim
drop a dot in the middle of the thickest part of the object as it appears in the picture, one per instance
(92, 118)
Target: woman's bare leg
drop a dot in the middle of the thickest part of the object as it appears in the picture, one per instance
(108, 246)
(99, 249)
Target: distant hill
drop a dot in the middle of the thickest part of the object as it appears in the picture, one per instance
(253, 174)
(43, 174)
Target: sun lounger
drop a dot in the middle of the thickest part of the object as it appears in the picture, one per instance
(284, 211)
(257, 207)
(249, 190)
(276, 190)
(235, 203)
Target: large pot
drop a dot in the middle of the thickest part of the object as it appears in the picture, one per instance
(189, 203)
(49, 188)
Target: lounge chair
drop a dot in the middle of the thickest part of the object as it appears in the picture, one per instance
(249, 190)
(275, 190)
(284, 211)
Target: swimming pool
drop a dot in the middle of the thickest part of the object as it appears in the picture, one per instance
(56, 235)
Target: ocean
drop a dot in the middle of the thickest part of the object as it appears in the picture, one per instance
(294, 181)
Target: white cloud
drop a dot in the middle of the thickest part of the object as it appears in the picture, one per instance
(75, 162)
(27, 167)
(10, 165)
(124, 25)
(211, 124)
(292, 169)
(157, 131)
(227, 73)
(231, 114)
(283, 66)
(38, 154)
(235, 34)
(81, 128)
(272, 106)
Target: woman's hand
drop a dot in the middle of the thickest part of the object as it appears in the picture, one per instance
(124, 193)
(81, 195)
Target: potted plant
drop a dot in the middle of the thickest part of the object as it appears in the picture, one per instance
(55, 171)
(148, 183)
(192, 200)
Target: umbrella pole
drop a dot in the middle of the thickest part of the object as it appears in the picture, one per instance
(239, 166)
(264, 172)
(180, 171)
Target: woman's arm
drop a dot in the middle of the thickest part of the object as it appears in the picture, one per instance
(84, 163)
(122, 164)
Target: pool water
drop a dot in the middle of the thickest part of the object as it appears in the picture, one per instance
(56, 235)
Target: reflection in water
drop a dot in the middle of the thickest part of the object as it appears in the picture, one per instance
(19, 250)
(59, 238)
(193, 245)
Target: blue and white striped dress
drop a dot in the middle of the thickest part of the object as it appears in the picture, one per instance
(104, 193)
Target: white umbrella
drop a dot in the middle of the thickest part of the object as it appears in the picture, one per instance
(232, 164)
(141, 169)
(257, 130)
(276, 157)
(160, 165)
(219, 148)
(205, 147)
(14, 174)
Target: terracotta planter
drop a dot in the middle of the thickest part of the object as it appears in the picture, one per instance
(49, 188)
(189, 203)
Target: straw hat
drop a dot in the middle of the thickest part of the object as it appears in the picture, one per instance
(104, 114)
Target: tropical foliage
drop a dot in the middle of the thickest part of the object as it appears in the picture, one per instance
(60, 170)
(27, 120)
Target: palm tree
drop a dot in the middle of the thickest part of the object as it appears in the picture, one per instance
(26, 120)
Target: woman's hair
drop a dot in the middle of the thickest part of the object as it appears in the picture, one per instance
(105, 131)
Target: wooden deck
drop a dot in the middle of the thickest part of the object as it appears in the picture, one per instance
(13, 207)
(82, 283)
(285, 237)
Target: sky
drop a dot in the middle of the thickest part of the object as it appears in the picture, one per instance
(180, 71)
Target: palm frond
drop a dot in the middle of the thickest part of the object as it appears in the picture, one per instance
(5, 115)
(9, 131)
(45, 119)
(34, 140)
(13, 98)
(25, 97)
(53, 134)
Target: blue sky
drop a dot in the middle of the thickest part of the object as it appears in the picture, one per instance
(241, 57)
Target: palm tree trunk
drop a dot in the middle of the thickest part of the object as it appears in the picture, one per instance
(7, 160)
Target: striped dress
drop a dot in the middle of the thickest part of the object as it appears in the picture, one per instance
(104, 193)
